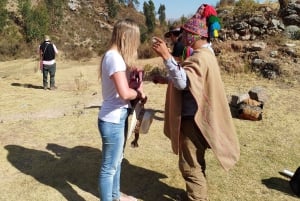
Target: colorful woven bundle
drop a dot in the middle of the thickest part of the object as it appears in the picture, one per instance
(213, 22)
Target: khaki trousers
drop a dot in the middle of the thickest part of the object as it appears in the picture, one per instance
(192, 161)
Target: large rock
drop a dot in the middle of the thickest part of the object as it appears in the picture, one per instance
(290, 12)
(258, 93)
(74, 5)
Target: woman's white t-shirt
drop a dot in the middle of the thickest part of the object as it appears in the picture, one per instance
(112, 102)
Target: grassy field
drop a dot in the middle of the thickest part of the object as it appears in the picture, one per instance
(50, 148)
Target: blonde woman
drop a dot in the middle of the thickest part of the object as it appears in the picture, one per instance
(113, 116)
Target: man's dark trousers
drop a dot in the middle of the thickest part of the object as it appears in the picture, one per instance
(51, 69)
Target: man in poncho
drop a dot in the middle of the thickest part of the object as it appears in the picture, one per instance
(197, 114)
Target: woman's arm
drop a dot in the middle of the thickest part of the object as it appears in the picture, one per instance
(123, 89)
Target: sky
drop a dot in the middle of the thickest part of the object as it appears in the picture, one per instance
(176, 8)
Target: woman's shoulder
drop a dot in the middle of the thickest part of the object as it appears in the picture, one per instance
(113, 60)
(112, 53)
(112, 56)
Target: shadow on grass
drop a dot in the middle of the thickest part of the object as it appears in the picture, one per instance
(279, 184)
(26, 86)
(79, 166)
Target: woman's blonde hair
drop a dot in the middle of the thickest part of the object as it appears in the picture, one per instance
(126, 37)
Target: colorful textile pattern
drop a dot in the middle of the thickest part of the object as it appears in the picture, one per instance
(196, 26)
(213, 22)
(188, 51)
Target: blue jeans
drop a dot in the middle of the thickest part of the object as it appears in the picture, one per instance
(113, 141)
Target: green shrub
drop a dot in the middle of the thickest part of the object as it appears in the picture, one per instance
(11, 41)
(224, 3)
(145, 51)
(296, 35)
(112, 8)
(3, 14)
(78, 53)
(151, 71)
(3, 19)
(55, 13)
(36, 20)
(245, 7)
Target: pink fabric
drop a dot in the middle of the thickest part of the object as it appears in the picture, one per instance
(196, 26)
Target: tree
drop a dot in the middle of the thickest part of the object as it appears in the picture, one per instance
(130, 3)
(36, 20)
(162, 14)
(149, 12)
(245, 7)
(183, 19)
(3, 14)
(55, 12)
(112, 8)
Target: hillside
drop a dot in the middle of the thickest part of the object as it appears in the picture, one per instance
(249, 42)
(83, 32)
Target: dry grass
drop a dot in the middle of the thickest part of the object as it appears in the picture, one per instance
(50, 145)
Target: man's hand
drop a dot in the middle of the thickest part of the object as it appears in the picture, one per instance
(160, 47)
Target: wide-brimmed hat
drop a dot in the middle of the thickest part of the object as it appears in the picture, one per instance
(173, 30)
(196, 26)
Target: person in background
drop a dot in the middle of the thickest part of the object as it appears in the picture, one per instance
(113, 116)
(172, 36)
(47, 52)
(197, 114)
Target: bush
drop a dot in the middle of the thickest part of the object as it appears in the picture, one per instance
(11, 41)
(36, 20)
(55, 13)
(76, 52)
(224, 3)
(3, 14)
(296, 35)
(245, 7)
(151, 71)
(3, 19)
(112, 8)
(145, 51)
